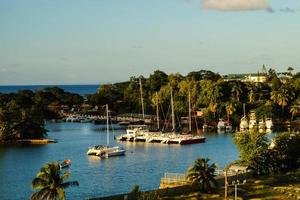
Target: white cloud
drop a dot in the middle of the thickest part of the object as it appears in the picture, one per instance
(235, 5)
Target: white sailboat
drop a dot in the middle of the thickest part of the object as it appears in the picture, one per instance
(269, 124)
(244, 122)
(252, 121)
(221, 126)
(105, 151)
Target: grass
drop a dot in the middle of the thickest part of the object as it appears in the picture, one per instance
(284, 186)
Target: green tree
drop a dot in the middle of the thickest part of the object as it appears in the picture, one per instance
(295, 110)
(50, 182)
(285, 150)
(157, 80)
(237, 91)
(202, 174)
(253, 147)
(229, 110)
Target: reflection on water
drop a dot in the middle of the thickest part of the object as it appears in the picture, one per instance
(144, 163)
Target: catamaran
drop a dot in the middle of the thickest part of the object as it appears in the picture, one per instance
(105, 151)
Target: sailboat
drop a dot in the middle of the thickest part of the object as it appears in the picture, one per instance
(105, 151)
(244, 122)
(175, 138)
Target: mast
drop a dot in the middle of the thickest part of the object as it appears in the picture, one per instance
(141, 91)
(157, 111)
(107, 126)
(190, 112)
(172, 107)
(244, 109)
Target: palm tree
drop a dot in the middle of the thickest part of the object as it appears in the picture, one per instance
(295, 110)
(202, 174)
(237, 91)
(213, 108)
(51, 182)
(229, 110)
(282, 98)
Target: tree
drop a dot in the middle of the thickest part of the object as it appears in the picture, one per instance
(157, 80)
(253, 147)
(236, 90)
(202, 174)
(295, 110)
(50, 181)
(229, 110)
(285, 150)
(290, 71)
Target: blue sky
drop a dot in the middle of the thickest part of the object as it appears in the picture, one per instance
(96, 41)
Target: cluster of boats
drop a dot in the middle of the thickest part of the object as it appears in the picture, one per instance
(141, 133)
(80, 118)
(263, 125)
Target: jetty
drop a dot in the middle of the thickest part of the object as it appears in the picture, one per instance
(162, 138)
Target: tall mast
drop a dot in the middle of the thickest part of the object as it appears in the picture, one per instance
(190, 112)
(107, 126)
(172, 107)
(244, 109)
(141, 91)
(157, 111)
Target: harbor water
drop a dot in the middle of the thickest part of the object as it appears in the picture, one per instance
(144, 163)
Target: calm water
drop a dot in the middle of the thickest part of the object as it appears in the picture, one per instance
(78, 89)
(144, 164)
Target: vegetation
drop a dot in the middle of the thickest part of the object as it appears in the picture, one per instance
(22, 114)
(269, 157)
(50, 182)
(217, 96)
(202, 175)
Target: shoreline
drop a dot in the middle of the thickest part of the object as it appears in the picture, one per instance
(29, 141)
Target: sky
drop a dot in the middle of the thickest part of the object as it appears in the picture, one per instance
(100, 41)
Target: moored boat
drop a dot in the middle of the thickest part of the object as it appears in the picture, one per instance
(269, 123)
(105, 151)
(244, 124)
(221, 126)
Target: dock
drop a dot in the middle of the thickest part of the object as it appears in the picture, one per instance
(157, 137)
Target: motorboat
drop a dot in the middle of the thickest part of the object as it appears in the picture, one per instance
(261, 125)
(221, 126)
(244, 124)
(252, 121)
(269, 123)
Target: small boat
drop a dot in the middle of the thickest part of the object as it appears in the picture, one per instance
(66, 163)
(261, 125)
(269, 123)
(221, 126)
(252, 121)
(124, 123)
(244, 124)
(228, 128)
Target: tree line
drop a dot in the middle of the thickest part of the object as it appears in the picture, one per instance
(215, 95)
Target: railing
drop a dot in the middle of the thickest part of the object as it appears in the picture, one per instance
(173, 180)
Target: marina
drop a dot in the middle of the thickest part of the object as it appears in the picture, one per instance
(103, 177)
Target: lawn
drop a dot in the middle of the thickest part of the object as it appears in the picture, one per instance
(284, 186)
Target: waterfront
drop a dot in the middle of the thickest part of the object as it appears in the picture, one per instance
(144, 164)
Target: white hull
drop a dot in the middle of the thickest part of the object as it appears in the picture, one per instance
(244, 124)
(104, 151)
(269, 123)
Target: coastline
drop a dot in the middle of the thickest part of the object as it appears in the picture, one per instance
(29, 141)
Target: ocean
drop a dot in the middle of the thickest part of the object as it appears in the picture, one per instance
(78, 89)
